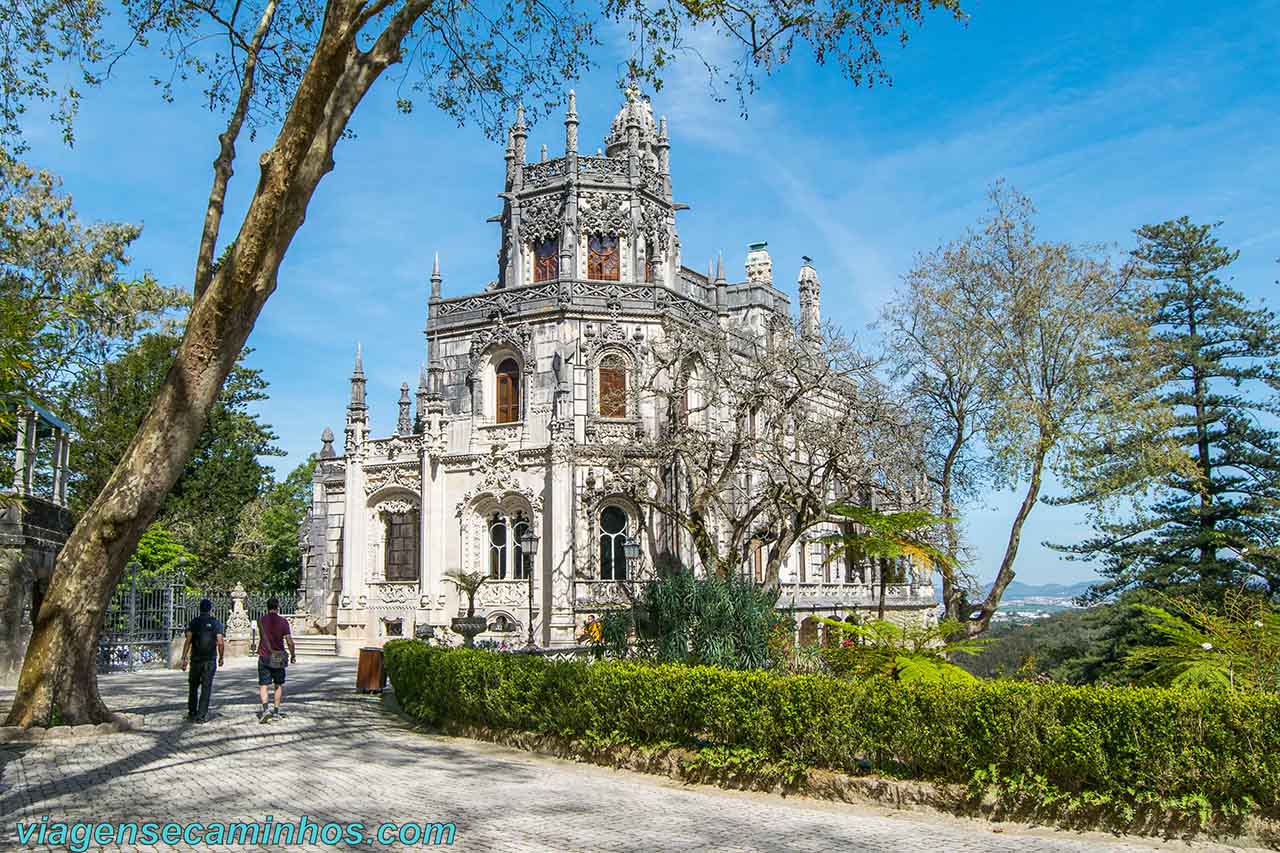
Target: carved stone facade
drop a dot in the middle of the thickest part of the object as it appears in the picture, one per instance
(474, 478)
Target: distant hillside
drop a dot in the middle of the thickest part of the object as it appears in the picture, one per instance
(1017, 590)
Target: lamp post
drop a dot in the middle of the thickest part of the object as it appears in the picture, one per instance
(631, 550)
(529, 550)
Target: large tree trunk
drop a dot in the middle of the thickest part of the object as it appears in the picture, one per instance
(974, 627)
(952, 594)
(59, 679)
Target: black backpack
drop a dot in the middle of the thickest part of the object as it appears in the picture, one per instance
(204, 637)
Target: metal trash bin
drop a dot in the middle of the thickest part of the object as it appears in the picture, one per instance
(371, 676)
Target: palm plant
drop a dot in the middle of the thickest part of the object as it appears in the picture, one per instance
(907, 654)
(469, 583)
(887, 536)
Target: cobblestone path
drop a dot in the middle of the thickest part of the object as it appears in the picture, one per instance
(341, 757)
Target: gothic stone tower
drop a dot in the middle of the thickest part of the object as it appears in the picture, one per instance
(525, 381)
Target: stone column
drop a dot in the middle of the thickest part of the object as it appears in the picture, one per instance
(557, 555)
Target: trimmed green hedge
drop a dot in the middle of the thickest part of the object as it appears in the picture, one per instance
(1209, 753)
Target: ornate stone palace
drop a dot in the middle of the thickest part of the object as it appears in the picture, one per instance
(522, 380)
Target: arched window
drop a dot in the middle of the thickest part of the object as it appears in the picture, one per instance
(602, 258)
(498, 546)
(546, 260)
(613, 533)
(518, 527)
(613, 386)
(400, 561)
(508, 409)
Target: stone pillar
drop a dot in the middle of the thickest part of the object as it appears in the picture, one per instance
(557, 554)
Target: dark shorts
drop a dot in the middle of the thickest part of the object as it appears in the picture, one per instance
(267, 675)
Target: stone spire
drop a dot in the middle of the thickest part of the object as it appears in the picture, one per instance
(357, 382)
(810, 300)
(404, 425)
(571, 125)
(357, 412)
(435, 277)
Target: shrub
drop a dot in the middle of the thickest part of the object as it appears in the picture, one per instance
(1061, 746)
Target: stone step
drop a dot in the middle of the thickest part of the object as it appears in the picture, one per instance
(316, 645)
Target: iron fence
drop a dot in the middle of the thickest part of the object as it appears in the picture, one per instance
(148, 610)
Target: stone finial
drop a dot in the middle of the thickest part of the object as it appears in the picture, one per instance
(404, 425)
(435, 277)
(542, 153)
(720, 279)
(359, 371)
(326, 444)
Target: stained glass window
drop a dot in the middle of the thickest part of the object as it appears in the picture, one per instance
(602, 258)
(546, 260)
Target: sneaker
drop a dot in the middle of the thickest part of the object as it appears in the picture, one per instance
(278, 714)
(203, 718)
(264, 716)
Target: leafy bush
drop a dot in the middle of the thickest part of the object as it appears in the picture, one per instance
(1057, 746)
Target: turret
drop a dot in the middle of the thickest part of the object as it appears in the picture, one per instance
(759, 264)
(571, 125)
(810, 300)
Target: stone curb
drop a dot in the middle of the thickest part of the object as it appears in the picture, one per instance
(120, 724)
(819, 784)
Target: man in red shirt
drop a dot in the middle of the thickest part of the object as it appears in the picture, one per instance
(273, 635)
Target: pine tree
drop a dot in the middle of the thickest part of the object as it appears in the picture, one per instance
(1207, 515)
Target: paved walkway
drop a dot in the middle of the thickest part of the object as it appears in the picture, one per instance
(339, 756)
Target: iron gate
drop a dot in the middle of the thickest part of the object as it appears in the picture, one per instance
(148, 610)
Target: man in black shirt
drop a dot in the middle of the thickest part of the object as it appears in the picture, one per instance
(205, 640)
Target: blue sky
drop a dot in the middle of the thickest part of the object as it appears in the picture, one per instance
(1108, 115)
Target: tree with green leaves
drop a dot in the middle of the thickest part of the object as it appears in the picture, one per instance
(1203, 487)
(1051, 324)
(949, 382)
(222, 477)
(300, 69)
(65, 307)
(267, 553)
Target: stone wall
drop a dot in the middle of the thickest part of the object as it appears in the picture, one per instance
(30, 538)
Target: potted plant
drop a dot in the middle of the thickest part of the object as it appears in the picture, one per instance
(469, 583)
